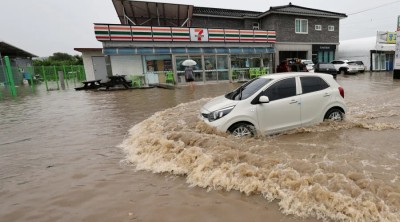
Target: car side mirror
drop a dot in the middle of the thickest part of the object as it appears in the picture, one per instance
(264, 99)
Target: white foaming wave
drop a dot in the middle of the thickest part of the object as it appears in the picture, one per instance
(173, 141)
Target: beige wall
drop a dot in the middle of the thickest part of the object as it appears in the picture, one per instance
(88, 63)
(127, 65)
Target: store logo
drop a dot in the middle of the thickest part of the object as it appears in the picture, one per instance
(199, 35)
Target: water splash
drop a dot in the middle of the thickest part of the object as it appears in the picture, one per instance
(305, 184)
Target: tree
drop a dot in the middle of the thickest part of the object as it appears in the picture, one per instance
(59, 59)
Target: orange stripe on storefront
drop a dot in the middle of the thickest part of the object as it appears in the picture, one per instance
(141, 29)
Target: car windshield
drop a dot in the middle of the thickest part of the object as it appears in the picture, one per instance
(247, 89)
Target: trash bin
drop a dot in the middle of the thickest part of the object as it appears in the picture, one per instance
(26, 76)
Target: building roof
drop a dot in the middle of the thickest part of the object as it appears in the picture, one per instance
(7, 49)
(299, 10)
(285, 9)
(152, 13)
(88, 49)
(167, 14)
(224, 12)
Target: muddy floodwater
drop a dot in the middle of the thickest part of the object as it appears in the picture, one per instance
(143, 155)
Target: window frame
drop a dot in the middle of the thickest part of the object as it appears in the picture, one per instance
(331, 28)
(319, 28)
(322, 84)
(264, 92)
(300, 26)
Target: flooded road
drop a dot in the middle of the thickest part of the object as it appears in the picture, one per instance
(142, 155)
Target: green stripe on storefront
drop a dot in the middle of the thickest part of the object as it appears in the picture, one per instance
(216, 35)
(141, 33)
(246, 36)
(101, 32)
(119, 33)
(180, 34)
(161, 34)
(232, 35)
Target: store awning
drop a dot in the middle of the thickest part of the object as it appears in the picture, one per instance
(153, 13)
(186, 50)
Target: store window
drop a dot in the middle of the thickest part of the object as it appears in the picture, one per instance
(267, 62)
(156, 64)
(318, 27)
(210, 68)
(222, 67)
(197, 69)
(156, 67)
(241, 65)
(301, 26)
(331, 28)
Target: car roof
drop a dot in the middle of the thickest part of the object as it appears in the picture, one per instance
(293, 74)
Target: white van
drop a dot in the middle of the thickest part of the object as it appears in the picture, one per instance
(275, 103)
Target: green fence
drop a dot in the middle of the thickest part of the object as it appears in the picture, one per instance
(47, 77)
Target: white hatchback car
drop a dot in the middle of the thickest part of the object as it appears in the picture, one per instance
(275, 103)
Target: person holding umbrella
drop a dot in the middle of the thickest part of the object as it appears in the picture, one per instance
(189, 76)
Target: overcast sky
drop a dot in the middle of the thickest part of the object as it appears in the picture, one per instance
(43, 27)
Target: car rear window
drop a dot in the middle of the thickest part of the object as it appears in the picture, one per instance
(337, 62)
(312, 84)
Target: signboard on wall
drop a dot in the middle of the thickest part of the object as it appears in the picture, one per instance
(398, 23)
(199, 35)
(397, 53)
(396, 71)
(391, 37)
(384, 37)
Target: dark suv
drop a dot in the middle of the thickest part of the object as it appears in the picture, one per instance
(328, 68)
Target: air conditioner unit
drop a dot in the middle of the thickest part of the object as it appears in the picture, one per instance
(256, 25)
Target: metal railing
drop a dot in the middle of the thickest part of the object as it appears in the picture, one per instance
(48, 77)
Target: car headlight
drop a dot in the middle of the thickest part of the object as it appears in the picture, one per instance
(219, 113)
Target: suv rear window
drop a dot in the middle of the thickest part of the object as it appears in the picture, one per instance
(312, 84)
(359, 62)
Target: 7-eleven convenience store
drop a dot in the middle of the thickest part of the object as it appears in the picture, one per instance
(152, 47)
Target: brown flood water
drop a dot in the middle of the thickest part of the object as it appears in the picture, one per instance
(142, 155)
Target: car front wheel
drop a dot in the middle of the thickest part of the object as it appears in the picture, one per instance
(334, 115)
(242, 130)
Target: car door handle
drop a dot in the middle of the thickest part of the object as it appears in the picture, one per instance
(293, 101)
(327, 94)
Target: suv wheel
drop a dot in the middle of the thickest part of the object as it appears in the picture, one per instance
(334, 115)
(242, 130)
(343, 71)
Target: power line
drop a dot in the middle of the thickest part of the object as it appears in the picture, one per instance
(379, 6)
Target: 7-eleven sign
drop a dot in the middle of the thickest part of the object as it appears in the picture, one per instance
(198, 35)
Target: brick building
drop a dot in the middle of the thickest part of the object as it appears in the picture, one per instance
(154, 38)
